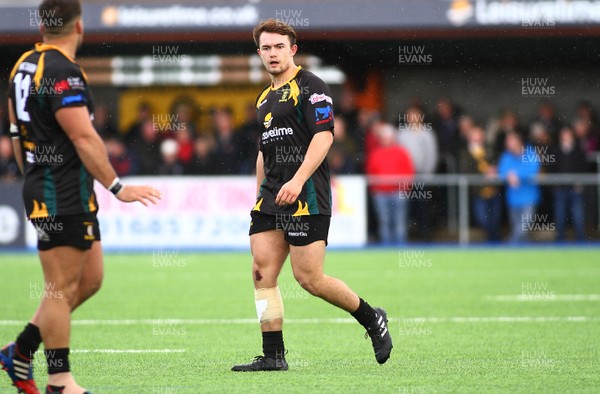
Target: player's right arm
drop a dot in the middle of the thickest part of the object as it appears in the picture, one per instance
(14, 137)
(260, 171)
(76, 123)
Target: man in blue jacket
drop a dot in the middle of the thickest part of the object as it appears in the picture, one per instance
(518, 166)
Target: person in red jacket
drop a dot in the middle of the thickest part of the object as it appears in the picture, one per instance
(389, 158)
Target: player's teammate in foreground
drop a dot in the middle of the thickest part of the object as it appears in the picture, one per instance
(60, 154)
(293, 207)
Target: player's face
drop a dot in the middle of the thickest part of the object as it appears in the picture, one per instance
(276, 52)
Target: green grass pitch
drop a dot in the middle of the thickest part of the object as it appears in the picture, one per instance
(463, 321)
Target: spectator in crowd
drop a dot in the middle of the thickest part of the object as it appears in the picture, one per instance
(445, 124)
(485, 200)
(343, 151)
(546, 116)
(226, 154)
(103, 122)
(587, 132)
(346, 109)
(339, 162)
(498, 130)
(203, 162)
(465, 124)
(367, 118)
(145, 149)
(540, 136)
(185, 141)
(387, 159)
(9, 170)
(246, 141)
(184, 110)
(416, 102)
(134, 133)
(586, 111)
(518, 166)
(420, 142)
(542, 144)
(119, 156)
(568, 199)
(169, 164)
(585, 137)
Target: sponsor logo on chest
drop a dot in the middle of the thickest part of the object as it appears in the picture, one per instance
(275, 132)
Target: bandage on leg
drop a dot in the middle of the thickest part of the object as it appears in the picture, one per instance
(269, 305)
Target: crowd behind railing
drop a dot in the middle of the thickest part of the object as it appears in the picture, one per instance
(442, 139)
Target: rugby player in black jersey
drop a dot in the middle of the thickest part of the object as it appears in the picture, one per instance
(293, 205)
(60, 154)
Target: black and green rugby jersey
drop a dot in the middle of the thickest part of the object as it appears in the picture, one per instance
(289, 117)
(43, 81)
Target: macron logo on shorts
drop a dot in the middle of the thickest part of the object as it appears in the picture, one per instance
(297, 234)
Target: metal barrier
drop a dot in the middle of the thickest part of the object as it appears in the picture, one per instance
(464, 181)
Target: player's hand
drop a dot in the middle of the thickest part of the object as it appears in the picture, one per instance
(289, 193)
(143, 194)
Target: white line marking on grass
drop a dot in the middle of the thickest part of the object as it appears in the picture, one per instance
(500, 319)
(544, 297)
(448, 319)
(128, 351)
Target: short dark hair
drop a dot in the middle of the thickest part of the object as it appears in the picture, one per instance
(273, 25)
(57, 15)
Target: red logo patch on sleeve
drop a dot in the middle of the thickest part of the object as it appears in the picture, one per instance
(61, 86)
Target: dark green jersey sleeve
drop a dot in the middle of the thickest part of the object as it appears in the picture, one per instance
(67, 86)
(318, 105)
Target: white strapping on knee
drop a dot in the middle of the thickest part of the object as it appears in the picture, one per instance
(269, 305)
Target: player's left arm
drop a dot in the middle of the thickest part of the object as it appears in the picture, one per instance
(317, 106)
(15, 137)
(316, 153)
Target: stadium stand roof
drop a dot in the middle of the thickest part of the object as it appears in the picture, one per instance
(206, 20)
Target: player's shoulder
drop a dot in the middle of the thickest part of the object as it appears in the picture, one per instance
(26, 62)
(314, 89)
(305, 77)
(262, 95)
(55, 60)
(63, 70)
(28, 56)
